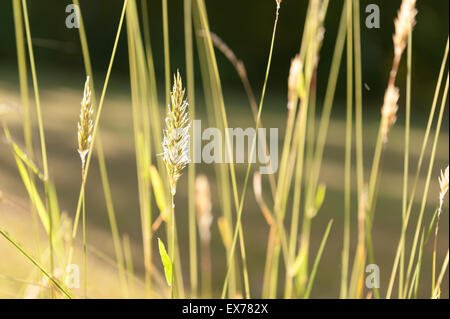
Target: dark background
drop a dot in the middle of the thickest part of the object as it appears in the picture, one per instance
(246, 26)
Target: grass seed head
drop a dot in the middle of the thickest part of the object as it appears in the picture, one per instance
(389, 110)
(443, 183)
(176, 134)
(404, 23)
(86, 123)
(294, 81)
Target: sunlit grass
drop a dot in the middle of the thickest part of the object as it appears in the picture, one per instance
(311, 194)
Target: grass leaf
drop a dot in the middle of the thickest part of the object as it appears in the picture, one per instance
(33, 193)
(318, 200)
(166, 262)
(430, 228)
(317, 260)
(158, 190)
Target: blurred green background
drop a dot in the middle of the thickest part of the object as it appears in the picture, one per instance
(246, 26)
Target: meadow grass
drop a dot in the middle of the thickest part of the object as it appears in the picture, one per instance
(297, 193)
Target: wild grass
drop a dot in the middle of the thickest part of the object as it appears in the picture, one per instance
(297, 193)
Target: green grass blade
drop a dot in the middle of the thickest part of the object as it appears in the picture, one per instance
(167, 263)
(317, 261)
(34, 262)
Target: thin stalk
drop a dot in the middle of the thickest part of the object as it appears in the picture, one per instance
(321, 138)
(427, 184)
(41, 129)
(239, 214)
(191, 168)
(101, 158)
(269, 260)
(213, 117)
(36, 89)
(358, 102)
(433, 274)
(419, 166)
(317, 260)
(436, 291)
(328, 104)
(172, 246)
(406, 156)
(293, 237)
(24, 94)
(220, 106)
(240, 69)
(141, 129)
(84, 248)
(97, 120)
(34, 262)
(154, 104)
(372, 191)
(348, 155)
(165, 18)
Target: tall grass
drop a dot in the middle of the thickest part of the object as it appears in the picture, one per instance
(298, 193)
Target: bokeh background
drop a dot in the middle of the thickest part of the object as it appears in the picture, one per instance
(246, 27)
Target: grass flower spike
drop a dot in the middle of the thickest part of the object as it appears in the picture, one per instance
(443, 183)
(389, 110)
(176, 135)
(404, 22)
(294, 81)
(85, 131)
(86, 124)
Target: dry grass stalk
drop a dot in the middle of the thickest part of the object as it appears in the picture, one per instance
(404, 24)
(257, 188)
(176, 135)
(86, 124)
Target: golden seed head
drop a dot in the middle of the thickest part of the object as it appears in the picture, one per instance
(204, 206)
(404, 23)
(176, 134)
(294, 80)
(389, 110)
(86, 123)
(443, 183)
